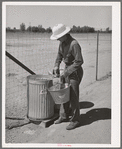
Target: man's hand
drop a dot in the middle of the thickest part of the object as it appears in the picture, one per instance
(56, 71)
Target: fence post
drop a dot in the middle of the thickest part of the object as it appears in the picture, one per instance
(97, 55)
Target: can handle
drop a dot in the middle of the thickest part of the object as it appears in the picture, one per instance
(43, 91)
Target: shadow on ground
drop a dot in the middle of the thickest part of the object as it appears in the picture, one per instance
(95, 115)
(86, 104)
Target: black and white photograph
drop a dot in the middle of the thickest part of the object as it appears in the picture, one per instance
(61, 74)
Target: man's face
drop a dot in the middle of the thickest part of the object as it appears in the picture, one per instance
(62, 39)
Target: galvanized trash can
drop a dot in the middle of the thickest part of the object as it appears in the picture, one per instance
(39, 101)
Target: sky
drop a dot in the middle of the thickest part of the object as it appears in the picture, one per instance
(99, 17)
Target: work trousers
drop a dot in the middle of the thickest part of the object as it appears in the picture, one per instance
(74, 79)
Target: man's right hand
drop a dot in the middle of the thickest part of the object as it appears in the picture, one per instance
(56, 72)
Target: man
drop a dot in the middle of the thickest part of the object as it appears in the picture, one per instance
(70, 52)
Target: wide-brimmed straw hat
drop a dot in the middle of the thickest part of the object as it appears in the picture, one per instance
(59, 30)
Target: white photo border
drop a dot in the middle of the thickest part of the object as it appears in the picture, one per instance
(115, 87)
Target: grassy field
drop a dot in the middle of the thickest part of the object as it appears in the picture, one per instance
(38, 52)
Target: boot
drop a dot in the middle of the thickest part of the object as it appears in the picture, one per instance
(73, 125)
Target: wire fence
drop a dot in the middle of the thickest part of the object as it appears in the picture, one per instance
(38, 53)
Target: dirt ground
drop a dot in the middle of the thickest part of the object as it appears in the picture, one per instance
(95, 127)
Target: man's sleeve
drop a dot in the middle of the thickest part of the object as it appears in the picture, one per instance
(59, 57)
(78, 61)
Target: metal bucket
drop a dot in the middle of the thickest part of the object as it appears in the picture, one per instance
(60, 93)
(40, 103)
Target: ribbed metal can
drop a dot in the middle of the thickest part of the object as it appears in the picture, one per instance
(39, 101)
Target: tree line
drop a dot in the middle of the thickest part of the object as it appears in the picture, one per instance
(39, 28)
